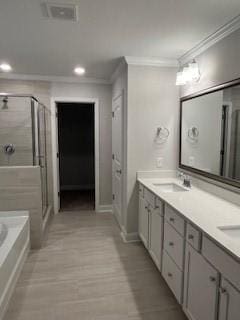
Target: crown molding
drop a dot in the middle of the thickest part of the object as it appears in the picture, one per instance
(118, 70)
(14, 76)
(151, 61)
(208, 42)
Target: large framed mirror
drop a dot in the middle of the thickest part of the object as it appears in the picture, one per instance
(210, 133)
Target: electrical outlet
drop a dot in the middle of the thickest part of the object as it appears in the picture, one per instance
(191, 161)
(159, 162)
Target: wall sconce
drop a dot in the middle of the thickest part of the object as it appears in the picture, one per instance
(193, 134)
(188, 73)
(161, 135)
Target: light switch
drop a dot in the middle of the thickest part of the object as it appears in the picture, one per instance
(160, 162)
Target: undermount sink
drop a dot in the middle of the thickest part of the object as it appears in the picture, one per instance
(169, 187)
(231, 231)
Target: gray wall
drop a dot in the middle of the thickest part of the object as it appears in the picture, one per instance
(153, 99)
(218, 64)
(104, 94)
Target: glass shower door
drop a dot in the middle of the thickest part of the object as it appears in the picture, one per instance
(41, 116)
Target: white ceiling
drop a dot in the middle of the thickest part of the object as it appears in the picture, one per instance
(106, 30)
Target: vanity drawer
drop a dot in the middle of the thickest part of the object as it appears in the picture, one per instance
(173, 276)
(193, 237)
(174, 244)
(141, 190)
(159, 206)
(149, 197)
(221, 260)
(174, 219)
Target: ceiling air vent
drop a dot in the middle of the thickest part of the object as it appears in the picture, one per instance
(66, 12)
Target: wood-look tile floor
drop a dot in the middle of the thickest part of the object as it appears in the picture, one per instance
(84, 271)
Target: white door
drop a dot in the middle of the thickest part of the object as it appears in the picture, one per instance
(117, 157)
(229, 302)
(200, 288)
(143, 221)
(156, 236)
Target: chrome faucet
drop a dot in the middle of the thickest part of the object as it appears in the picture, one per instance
(186, 179)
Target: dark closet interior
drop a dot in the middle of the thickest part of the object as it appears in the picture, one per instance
(76, 156)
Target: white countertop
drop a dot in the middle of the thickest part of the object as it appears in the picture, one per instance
(206, 211)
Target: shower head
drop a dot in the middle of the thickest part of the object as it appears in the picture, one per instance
(5, 103)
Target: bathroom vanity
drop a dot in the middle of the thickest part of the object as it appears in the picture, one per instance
(194, 239)
(192, 235)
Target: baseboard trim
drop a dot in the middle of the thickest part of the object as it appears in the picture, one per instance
(104, 208)
(79, 187)
(129, 237)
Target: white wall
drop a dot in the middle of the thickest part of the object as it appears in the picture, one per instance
(104, 94)
(153, 101)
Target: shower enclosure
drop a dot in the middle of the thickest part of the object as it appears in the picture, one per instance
(23, 136)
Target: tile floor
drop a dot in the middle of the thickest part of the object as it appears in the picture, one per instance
(85, 272)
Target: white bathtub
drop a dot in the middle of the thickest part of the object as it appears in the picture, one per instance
(14, 247)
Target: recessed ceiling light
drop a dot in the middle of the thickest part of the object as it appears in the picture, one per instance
(5, 67)
(79, 71)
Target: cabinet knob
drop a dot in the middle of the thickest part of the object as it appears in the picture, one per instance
(156, 207)
(172, 219)
(171, 244)
(190, 237)
(212, 279)
(146, 207)
(169, 274)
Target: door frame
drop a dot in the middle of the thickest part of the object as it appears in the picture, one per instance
(55, 159)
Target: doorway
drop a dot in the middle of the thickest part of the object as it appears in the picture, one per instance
(76, 155)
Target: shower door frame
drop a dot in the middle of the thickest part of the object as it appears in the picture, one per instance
(56, 180)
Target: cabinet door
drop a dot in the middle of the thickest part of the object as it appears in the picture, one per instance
(200, 287)
(229, 308)
(143, 221)
(155, 236)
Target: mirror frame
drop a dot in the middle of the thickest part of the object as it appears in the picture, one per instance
(205, 174)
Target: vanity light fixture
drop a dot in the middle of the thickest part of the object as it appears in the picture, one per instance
(188, 73)
(79, 71)
(5, 67)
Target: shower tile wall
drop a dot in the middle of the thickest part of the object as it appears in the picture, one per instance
(16, 129)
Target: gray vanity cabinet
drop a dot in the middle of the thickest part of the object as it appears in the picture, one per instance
(200, 287)
(229, 307)
(143, 223)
